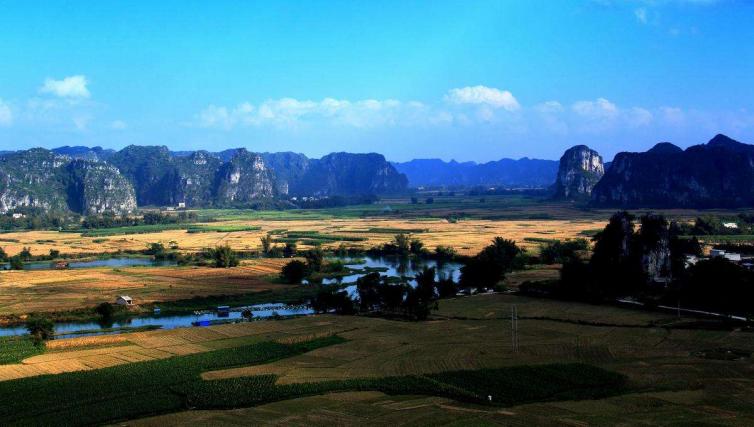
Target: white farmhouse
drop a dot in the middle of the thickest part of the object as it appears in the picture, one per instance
(124, 300)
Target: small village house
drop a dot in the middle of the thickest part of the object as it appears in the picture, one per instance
(124, 300)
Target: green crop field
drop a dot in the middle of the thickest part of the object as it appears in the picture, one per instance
(135, 229)
(229, 228)
(16, 349)
(154, 387)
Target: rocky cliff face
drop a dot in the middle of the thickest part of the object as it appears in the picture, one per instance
(98, 187)
(289, 168)
(579, 171)
(717, 174)
(196, 179)
(32, 178)
(152, 171)
(243, 179)
(42, 179)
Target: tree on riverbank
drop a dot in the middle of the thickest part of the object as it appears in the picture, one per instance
(40, 328)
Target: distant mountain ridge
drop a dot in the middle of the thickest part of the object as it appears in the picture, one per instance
(718, 174)
(93, 180)
(524, 172)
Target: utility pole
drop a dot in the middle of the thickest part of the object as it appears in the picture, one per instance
(514, 328)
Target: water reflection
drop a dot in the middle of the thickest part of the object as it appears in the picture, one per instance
(168, 321)
(109, 262)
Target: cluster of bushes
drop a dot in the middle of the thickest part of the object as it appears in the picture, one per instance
(485, 270)
(220, 256)
(402, 245)
(378, 294)
(110, 220)
(707, 225)
(558, 252)
(336, 201)
(37, 219)
(17, 262)
(295, 271)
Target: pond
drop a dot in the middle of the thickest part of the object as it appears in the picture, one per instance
(260, 311)
(105, 262)
(393, 266)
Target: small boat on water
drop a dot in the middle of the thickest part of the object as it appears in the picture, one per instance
(62, 265)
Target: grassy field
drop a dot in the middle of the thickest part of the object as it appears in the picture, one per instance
(669, 382)
(50, 290)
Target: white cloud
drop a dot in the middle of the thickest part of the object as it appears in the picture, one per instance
(599, 109)
(673, 115)
(641, 15)
(549, 107)
(81, 122)
(285, 112)
(118, 125)
(483, 95)
(638, 117)
(69, 87)
(6, 114)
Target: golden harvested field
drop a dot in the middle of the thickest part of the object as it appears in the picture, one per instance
(467, 236)
(684, 387)
(52, 290)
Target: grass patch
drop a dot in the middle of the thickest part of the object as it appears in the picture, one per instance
(540, 240)
(315, 237)
(221, 228)
(389, 230)
(134, 229)
(16, 349)
(590, 233)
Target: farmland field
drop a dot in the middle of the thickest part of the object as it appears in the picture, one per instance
(666, 377)
(462, 222)
(51, 290)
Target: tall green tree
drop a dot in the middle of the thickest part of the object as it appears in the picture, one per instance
(224, 257)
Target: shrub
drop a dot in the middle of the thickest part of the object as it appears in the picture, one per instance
(40, 328)
(224, 257)
(314, 258)
(25, 254)
(105, 310)
(294, 272)
(16, 263)
(445, 252)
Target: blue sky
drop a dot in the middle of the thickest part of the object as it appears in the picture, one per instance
(470, 80)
